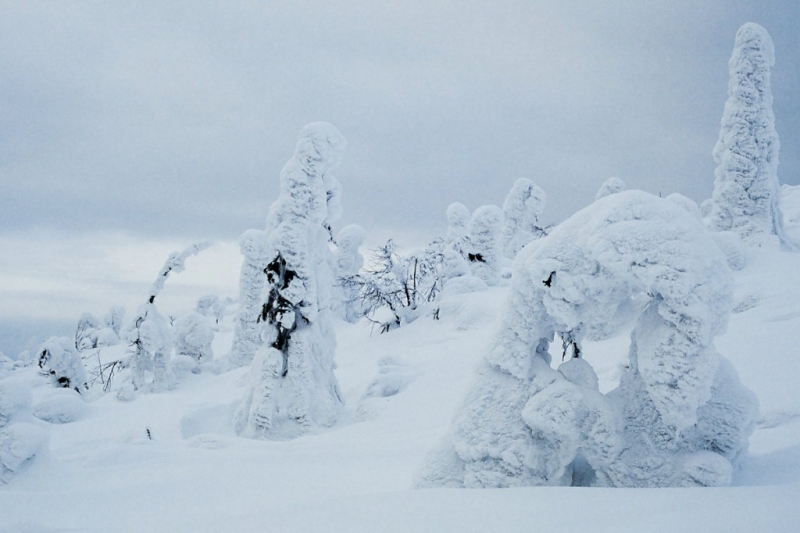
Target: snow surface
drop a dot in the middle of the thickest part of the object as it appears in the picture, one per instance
(102, 473)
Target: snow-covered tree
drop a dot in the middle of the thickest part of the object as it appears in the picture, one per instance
(58, 357)
(484, 253)
(348, 261)
(149, 344)
(610, 186)
(746, 190)
(247, 332)
(457, 223)
(114, 318)
(292, 386)
(193, 337)
(679, 416)
(86, 332)
(521, 209)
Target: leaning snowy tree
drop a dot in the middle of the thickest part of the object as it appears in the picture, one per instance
(292, 385)
(746, 189)
(148, 333)
(680, 416)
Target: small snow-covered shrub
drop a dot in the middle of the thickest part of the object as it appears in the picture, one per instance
(149, 341)
(58, 357)
(193, 337)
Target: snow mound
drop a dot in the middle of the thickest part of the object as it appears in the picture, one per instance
(60, 406)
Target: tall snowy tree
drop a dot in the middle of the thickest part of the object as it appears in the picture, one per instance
(292, 386)
(746, 190)
(484, 233)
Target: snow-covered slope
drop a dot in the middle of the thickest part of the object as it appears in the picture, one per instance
(171, 462)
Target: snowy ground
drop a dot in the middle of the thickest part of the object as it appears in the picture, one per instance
(103, 473)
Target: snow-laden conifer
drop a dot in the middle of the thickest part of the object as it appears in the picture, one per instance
(680, 415)
(484, 253)
(746, 190)
(521, 209)
(292, 387)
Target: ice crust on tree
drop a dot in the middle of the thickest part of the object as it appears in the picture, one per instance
(680, 415)
(292, 387)
(610, 186)
(746, 189)
(521, 209)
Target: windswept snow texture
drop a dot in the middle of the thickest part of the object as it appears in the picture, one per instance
(746, 189)
(681, 415)
(292, 385)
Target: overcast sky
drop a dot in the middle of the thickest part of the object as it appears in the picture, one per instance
(130, 126)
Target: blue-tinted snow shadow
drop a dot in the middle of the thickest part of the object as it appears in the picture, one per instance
(781, 467)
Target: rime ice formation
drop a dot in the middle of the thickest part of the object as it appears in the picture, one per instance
(292, 387)
(746, 190)
(680, 415)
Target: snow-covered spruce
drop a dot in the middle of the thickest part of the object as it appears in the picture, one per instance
(746, 190)
(247, 332)
(193, 337)
(484, 253)
(348, 261)
(521, 209)
(292, 387)
(680, 415)
(456, 243)
(610, 186)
